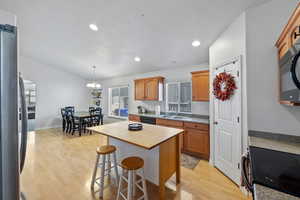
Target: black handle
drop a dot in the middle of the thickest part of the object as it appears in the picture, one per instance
(293, 70)
(245, 167)
(297, 34)
(23, 145)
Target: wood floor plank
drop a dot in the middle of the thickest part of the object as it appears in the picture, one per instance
(60, 167)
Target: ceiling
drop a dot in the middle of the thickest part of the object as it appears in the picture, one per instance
(56, 32)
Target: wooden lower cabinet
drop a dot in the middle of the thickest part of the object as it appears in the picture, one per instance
(134, 118)
(170, 123)
(196, 142)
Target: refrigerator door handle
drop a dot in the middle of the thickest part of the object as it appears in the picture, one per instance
(23, 145)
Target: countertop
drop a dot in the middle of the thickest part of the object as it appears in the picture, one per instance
(148, 138)
(278, 142)
(204, 119)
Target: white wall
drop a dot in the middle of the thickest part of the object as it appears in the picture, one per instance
(264, 25)
(55, 89)
(178, 74)
(7, 18)
(230, 44)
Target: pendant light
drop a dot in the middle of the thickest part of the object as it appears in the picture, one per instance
(94, 84)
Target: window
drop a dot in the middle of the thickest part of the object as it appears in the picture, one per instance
(179, 97)
(118, 102)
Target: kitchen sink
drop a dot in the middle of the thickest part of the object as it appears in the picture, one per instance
(177, 117)
(165, 116)
(174, 117)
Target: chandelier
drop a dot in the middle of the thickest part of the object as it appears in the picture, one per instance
(93, 84)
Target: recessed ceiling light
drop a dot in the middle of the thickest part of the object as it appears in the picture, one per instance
(196, 43)
(93, 27)
(137, 59)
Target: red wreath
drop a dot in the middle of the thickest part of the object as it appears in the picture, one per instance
(224, 86)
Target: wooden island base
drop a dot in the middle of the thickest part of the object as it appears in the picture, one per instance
(161, 162)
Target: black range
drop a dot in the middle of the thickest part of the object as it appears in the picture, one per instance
(276, 169)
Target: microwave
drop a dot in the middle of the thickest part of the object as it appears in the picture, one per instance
(289, 66)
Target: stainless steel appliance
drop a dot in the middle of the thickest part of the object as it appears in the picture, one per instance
(148, 120)
(290, 75)
(274, 169)
(12, 144)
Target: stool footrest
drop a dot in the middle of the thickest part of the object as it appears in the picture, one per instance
(142, 197)
(122, 195)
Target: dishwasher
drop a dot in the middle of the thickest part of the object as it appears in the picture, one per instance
(148, 120)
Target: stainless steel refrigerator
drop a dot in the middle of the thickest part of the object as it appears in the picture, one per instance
(12, 112)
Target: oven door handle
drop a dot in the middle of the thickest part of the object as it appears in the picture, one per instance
(245, 173)
(293, 70)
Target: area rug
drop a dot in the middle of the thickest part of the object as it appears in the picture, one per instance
(188, 161)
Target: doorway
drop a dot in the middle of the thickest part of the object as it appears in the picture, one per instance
(30, 95)
(227, 125)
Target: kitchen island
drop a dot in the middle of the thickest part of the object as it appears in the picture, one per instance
(159, 147)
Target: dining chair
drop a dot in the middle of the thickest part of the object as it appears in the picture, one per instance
(69, 122)
(98, 113)
(91, 108)
(93, 117)
(64, 118)
(70, 108)
(97, 117)
(75, 123)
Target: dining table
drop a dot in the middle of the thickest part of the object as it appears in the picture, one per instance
(82, 115)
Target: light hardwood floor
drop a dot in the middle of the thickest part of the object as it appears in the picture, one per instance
(59, 167)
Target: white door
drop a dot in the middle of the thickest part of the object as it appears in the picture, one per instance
(227, 126)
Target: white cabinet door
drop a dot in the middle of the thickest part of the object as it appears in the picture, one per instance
(185, 104)
(172, 97)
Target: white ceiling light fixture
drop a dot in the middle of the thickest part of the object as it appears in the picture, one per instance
(94, 84)
(93, 27)
(137, 59)
(196, 43)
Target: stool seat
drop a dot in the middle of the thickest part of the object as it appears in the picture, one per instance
(106, 149)
(132, 163)
(134, 167)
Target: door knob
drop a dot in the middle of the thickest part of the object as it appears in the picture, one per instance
(215, 123)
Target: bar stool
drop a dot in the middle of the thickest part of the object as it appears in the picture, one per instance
(132, 165)
(105, 152)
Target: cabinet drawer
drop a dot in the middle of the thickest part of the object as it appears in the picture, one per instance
(171, 123)
(199, 126)
(134, 118)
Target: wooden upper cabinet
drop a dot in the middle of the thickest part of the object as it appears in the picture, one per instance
(149, 89)
(290, 34)
(139, 89)
(288, 37)
(200, 86)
